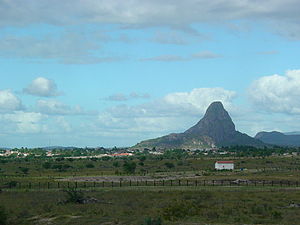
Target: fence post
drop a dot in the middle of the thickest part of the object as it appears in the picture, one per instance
(146, 183)
(204, 182)
(163, 182)
(68, 184)
(171, 183)
(213, 182)
(187, 183)
(179, 183)
(102, 183)
(94, 184)
(112, 184)
(196, 183)
(57, 184)
(130, 183)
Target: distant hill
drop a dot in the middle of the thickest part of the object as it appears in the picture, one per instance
(292, 133)
(215, 129)
(277, 138)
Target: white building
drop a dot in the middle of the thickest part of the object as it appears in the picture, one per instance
(224, 165)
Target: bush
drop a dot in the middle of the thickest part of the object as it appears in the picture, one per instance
(3, 216)
(46, 165)
(152, 221)
(89, 165)
(129, 167)
(74, 196)
(169, 165)
(12, 184)
(179, 210)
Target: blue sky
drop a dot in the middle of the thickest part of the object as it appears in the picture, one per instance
(113, 73)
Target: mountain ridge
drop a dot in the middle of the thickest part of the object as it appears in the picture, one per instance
(215, 129)
(278, 138)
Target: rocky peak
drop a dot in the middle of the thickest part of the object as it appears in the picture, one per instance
(216, 124)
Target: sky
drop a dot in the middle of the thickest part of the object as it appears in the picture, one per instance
(113, 73)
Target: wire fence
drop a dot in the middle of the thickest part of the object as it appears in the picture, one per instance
(146, 183)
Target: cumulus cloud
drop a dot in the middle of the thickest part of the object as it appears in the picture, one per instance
(58, 108)
(277, 93)
(9, 102)
(173, 112)
(42, 87)
(24, 122)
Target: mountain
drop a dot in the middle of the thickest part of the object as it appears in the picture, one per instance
(292, 133)
(215, 129)
(277, 138)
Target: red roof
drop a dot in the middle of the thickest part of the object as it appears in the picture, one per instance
(121, 154)
(224, 162)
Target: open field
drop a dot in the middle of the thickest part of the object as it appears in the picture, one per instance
(185, 205)
(158, 191)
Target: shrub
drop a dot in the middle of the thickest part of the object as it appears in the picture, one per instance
(46, 165)
(12, 184)
(89, 165)
(179, 210)
(3, 216)
(169, 165)
(129, 167)
(74, 196)
(152, 221)
(24, 170)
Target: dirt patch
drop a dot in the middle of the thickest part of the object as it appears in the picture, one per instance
(125, 178)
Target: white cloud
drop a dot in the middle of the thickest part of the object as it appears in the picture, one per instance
(42, 87)
(277, 93)
(66, 48)
(165, 58)
(24, 122)
(63, 123)
(176, 58)
(176, 13)
(173, 112)
(170, 37)
(58, 108)
(119, 97)
(9, 102)
(205, 55)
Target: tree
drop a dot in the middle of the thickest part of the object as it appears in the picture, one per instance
(129, 167)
